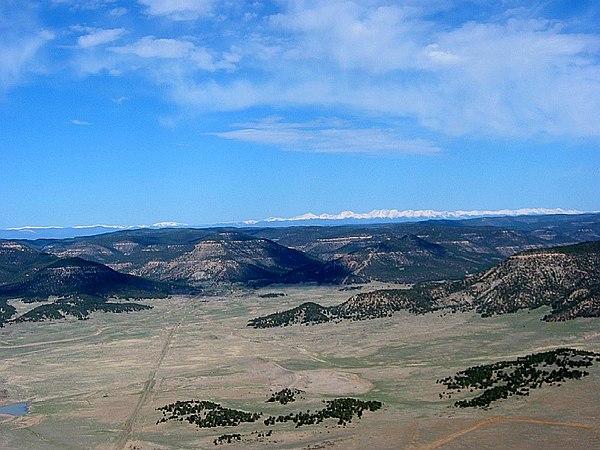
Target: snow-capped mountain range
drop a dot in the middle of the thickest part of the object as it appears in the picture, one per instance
(411, 214)
(344, 217)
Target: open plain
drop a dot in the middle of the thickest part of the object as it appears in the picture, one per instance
(97, 383)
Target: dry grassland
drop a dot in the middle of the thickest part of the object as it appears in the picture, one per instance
(96, 383)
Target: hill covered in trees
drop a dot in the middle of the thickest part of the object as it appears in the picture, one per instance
(565, 278)
(17, 259)
(76, 276)
(79, 286)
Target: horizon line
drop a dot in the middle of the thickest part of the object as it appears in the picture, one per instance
(375, 214)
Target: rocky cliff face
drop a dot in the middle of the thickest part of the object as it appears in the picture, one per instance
(565, 278)
(229, 257)
(408, 259)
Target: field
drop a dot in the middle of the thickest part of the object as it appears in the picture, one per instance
(97, 383)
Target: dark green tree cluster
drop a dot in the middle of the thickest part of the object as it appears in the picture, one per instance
(285, 396)
(503, 379)
(79, 306)
(75, 276)
(272, 295)
(6, 312)
(364, 306)
(205, 414)
(308, 312)
(342, 409)
(227, 438)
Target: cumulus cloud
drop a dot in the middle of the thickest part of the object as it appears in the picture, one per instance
(178, 9)
(330, 136)
(99, 37)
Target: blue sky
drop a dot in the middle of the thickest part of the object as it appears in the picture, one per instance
(202, 111)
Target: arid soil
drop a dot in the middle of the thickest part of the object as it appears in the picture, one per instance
(97, 383)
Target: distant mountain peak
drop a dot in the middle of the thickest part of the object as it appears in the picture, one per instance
(58, 232)
(412, 214)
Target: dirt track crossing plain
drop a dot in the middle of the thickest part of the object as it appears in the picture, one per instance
(97, 383)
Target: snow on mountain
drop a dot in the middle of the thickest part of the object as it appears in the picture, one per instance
(375, 216)
(421, 214)
(55, 232)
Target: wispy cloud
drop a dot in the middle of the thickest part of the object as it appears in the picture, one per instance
(120, 100)
(98, 37)
(499, 72)
(328, 136)
(185, 53)
(22, 40)
(150, 47)
(118, 11)
(79, 122)
(84, 4)
(18, 56)
(178, 9)
(489, 78)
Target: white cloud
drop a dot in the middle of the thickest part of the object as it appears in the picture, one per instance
(150, 47)
(120, 100)
(189, 56)
(350, 35)
(510, 74)
(440, 56)
(118, 12)
(329, 137)
(18, 53)
(523, 77)
(84, 4)
(99, 37)
(506, 76)
(178, 9)
(79, 122)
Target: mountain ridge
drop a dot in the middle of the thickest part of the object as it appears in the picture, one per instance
(565, 278)
(391, 252)
(376, 216)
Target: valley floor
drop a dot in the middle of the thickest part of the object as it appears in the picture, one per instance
(97, 383)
